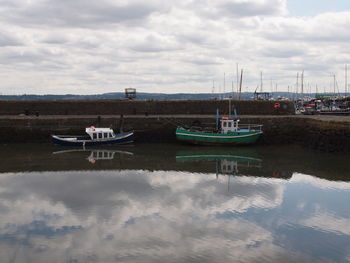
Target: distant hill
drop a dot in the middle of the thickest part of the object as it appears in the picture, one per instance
(142, 96)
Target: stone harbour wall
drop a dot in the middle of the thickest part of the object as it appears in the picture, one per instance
(149, 107)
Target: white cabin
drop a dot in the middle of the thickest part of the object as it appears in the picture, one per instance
(99, 133)
(229, 125)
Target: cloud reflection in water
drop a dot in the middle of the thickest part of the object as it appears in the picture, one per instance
(143, 216)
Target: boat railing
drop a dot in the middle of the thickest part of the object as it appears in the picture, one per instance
(256, 127)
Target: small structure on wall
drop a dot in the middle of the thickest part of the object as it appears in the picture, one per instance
(130, 93)
(261, 96)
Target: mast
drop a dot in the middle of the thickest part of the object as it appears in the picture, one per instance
(237, 76)
(229, 107)
(346, 79)
(224, 84)
(302, 83)
(261, 81)
(297, 88)
(240, 84)
(230, 98)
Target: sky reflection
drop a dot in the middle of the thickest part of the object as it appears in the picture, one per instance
(145, 216)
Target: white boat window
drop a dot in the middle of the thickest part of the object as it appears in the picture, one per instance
(110, 135)
(224, 124)
(100, 135)
(94, 136)
(105, 135)
(229, 124)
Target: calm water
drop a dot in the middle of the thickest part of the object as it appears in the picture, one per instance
(170, 203)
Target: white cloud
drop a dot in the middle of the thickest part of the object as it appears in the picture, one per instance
(54, 46)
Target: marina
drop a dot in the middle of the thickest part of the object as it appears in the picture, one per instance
(174, 131)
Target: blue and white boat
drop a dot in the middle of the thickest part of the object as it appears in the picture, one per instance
(95, 136)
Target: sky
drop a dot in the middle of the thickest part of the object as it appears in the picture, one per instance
(192, 46)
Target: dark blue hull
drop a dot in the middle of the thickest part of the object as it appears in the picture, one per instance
(121, 138)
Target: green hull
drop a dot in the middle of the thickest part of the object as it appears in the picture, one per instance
(188, 156)
(198, 137)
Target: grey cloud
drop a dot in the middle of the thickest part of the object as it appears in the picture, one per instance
(283, 51)
(55, 39)
(7, 39)
(153, 43)
(78, 13)
(233, 9)
(253, 8)
(31, 56)
(203, 61)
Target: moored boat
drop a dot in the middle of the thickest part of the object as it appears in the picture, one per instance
(229, 133)
(95, 136)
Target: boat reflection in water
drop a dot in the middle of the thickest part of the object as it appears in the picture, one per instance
(226, 162)
(96, 154)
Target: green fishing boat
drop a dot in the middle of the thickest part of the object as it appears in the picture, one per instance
(230, 132)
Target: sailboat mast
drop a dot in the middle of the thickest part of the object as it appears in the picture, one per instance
(346, 79)
(224, 84)
(240, 84)
(297, 88)
(302, 83)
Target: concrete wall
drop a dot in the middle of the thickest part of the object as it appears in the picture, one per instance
(316, 134)
(117, 107)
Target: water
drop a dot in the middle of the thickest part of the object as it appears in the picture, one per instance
(173, 203)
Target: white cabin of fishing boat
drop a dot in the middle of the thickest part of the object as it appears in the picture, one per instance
(99, 133)
(228, 125)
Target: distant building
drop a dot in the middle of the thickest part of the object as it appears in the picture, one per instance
(130, 93)
(261, 96)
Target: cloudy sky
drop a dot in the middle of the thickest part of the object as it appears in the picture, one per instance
(88, 47)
